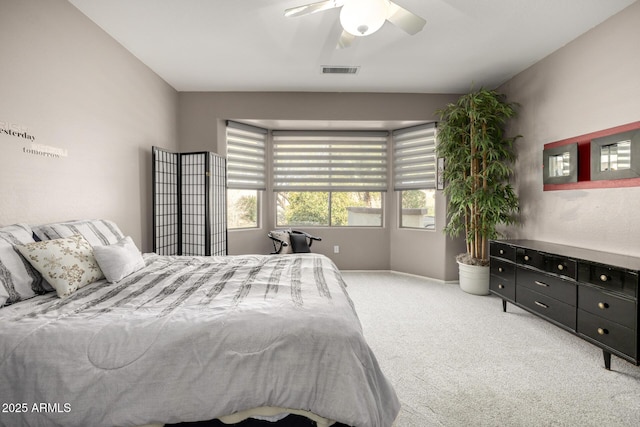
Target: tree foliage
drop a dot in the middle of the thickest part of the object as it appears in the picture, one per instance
(478, 160)
(414, 199)
(307, 208)
(248, 205)
(312, 207)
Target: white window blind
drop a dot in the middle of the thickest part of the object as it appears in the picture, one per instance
(245, 156)
(330, 161)
(414, 157)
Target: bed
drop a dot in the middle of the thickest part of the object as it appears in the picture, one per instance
(181, 339)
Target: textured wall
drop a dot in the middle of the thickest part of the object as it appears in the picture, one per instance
(589, 85)
(81, 96)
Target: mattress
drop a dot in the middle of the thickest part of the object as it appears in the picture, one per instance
(189, 339)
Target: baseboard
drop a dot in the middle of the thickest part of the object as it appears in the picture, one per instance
(402, 273)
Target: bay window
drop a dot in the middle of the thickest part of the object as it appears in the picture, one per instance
(329, 178)
(414, 168)
(246, 178)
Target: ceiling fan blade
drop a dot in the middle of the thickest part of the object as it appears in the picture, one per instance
(313, 8)
(405, 20)
(345, 40)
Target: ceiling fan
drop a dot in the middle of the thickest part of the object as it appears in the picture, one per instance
(363, 17)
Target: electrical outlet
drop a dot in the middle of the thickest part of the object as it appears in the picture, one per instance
(336, 249)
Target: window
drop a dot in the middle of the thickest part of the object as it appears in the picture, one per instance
(329, 208)
(418, 209)
(329, 178)
(414, 175)
(243, 207)
(245, 174)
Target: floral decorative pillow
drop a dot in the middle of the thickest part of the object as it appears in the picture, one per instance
(67, 264)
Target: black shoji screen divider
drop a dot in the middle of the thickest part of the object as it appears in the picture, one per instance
(189, 203)
(193, 194)
(166, 225)
(218, 215)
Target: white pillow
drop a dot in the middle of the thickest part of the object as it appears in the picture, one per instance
(68, 264)
(119, 260)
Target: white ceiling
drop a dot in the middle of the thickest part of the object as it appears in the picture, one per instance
(249, 45)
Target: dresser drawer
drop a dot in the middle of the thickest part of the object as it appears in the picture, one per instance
(561, 265)
(608, 277)
(609, 333)
(551, 286)
(502, 287)
(504, 269)
(502, 250)
(530, 258)
(547, 307)
(546, 262)
(607, 306)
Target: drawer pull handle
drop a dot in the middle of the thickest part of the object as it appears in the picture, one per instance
(500, 269)
(603, 305)
(541, 283)
(501, 286)
(602, 331)
(560, 267)
(526, 257)
(538, 303)
(501, 251)
(604, 277)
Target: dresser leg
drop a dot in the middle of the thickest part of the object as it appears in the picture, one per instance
(607, 359)
(504, 305)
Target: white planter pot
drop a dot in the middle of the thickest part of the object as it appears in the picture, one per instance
(474, 279)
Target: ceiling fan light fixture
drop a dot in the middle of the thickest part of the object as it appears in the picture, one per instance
(363, 17)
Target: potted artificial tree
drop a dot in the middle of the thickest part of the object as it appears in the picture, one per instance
(478, 163)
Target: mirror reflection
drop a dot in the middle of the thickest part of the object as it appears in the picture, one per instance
(616, 156)
(559, 164)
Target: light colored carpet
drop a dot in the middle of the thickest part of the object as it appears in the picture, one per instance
(457, 360)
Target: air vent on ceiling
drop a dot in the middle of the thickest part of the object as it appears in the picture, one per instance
(339, 69)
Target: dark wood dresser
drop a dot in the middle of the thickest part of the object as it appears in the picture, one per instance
(589, 293)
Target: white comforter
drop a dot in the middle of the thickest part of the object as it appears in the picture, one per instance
(192, 338)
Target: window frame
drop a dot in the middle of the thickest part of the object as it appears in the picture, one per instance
(415, 166)
(329, 213)
(259, 197)
(251, 173)
(401, 208)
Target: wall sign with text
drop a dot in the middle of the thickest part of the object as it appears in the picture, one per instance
(21, 134)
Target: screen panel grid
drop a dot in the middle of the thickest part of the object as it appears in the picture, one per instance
(189, 203)
(218, 214)
(193, 200)
(165, 205)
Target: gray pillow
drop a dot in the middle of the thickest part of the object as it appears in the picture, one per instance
(18, 279)
(96, 231)
(299, 243)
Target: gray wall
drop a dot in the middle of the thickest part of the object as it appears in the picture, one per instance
(591, 84)
(72, 87)
(429, 253)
